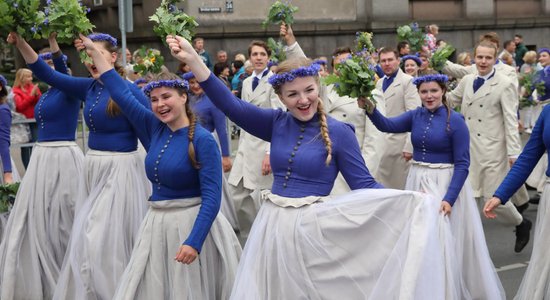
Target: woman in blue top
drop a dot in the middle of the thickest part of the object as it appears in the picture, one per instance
(5, 124)
(352, 247)
(535, 281)
(211, 118)
(183, 163)
(441, 157)
(113, 200)
(41, 220)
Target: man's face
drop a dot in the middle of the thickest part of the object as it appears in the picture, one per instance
(389, 63)
(484, 59)
(199, 45)
(517, 40)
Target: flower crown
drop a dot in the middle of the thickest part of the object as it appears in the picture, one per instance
(48, 56)
(3, 82)
(429, 78)
(415, 58)
(544, 50)
(320, 62)
(140, 81)
(175, 84)
(103, 37)
(279, 79)
(187, 76)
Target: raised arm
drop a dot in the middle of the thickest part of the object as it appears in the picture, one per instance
(255, 120)
(456, 70)
(77, 87)
(57, 56)
(398, 124)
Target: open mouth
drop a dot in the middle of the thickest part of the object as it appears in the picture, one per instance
(164, 112)
(304, 108)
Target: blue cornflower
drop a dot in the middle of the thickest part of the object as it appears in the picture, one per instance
(46, 21)
(172, 8)
(15, 5)
(88, 10)
(46, 11)
(33, 29)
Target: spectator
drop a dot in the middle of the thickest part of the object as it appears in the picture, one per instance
(221, 56)
(403, 48)
(464, 59)
(529, 62)
(510, 49)
(241, 57)
(182, 69)
(198, 44)
(520, 49)
(221, 70)
(238, 69)
(431, 32)
(26, 94)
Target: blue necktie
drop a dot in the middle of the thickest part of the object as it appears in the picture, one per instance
(387, 82)
(255, 82)
(478, 82)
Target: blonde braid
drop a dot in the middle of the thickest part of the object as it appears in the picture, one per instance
(190, 135)
(324, 130)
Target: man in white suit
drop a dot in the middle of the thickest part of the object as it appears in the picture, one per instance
(489, 104)
(251, 172)
(344, 109)
(400, 95)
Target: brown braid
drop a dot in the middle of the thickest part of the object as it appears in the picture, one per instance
(324, 130)
(444, 100)
(191, 133)
(112, 108)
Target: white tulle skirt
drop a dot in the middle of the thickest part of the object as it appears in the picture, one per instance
(471, 259)
(40, 222)
(536, 281)
(154, 274)
(366, 244)
(106, 225)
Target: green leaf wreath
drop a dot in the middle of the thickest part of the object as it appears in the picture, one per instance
(355, 75)
(7, 196)
(170, 20)
(440, 56)
(21, 16)
(413, 35)
(148, 61)
(280, 12)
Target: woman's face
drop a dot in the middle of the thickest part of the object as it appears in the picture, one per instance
(26, 78)
(301, 97)
(431, 95)
(544, 59)
(195, 87)
(109, 56)
(168, 105)
(225, 72)
(411, 67)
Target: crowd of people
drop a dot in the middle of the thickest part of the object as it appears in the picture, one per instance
(327, 195)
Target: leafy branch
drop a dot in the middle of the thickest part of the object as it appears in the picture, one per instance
(170, 20)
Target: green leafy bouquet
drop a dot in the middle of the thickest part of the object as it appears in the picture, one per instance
(355, 75)
(440, 56)
(170, 20)
(149, 60)
(7, 196)
(412, 34)
(23, 17)
(67, 18)
(280, 12)
(530, 83)
(277, 50)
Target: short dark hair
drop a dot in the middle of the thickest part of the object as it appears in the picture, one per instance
(508, 42)
(338, 51)
(490, 37)
(259, 44)
(388, 50)
(401, 45)
(237, 64)
(219, 67)
(518, 35)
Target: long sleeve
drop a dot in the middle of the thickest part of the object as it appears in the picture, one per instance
(526, 162)
(509, 105)
(5, 125)
(456, 95)
(221, 130)
(456, 70)
(141, 117)
(412, 101)
(74, 86)
(255, 120)
(399, 124)
(210, 177)
(461, 159)
(24, 101)
(60, 65)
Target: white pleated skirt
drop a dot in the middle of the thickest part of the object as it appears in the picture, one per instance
(153, 273)
(471, 262)
(366, 244)
(16, 178)
(40, 222)
(106, 224)
(535, 284)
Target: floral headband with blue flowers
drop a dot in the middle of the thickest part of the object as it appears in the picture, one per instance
(415, 58)
(140, 81)
(175, 84)
(3, 82)
(103, 37)
(429, 78)
(48, 56)
(544, 50)
(279, 79)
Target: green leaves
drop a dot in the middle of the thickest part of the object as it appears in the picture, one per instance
(21, 16)
(530, 82)
(7, 196)
(149, 60)
(170, 20)
(277, 50)
(354, 77)
(412, 34)
(67, 18)
(440, 56)
(280, 12)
